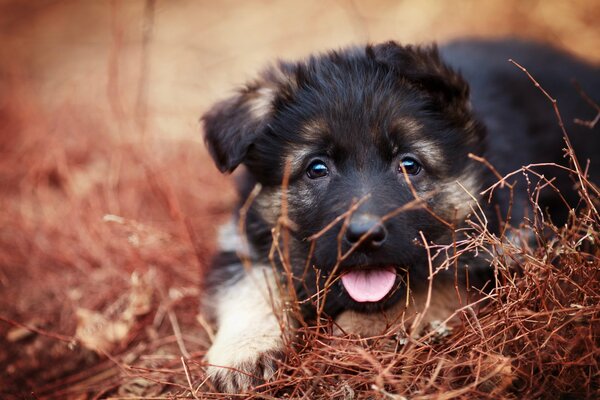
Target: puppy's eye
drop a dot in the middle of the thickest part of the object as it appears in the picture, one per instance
(317, 169)
(411, 166)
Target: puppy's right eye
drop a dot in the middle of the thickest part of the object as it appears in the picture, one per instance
(410, 165)
(317, 169)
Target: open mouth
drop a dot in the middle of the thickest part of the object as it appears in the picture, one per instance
(369, 285)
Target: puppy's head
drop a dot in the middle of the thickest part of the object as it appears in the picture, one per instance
(366, 130)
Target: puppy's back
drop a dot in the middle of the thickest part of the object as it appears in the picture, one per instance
(522, 127)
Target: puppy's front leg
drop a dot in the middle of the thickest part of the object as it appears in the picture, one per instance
(249, 338)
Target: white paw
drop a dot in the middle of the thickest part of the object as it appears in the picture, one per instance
(237, 367)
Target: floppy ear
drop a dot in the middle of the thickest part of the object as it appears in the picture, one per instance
(423, 67)
(232, 125)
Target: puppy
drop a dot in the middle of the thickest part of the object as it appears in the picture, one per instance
(356, 162)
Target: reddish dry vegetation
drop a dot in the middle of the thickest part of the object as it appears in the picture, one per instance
(104, 239)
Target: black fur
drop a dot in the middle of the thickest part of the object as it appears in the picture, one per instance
(361, 110)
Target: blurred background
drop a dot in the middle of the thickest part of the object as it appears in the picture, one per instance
(108, 200)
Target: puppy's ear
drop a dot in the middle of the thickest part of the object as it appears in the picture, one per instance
(422, 67)
(232, 125)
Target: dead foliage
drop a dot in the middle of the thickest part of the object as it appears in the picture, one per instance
(103, 245)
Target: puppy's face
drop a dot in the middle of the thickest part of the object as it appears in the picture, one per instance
(379, 136)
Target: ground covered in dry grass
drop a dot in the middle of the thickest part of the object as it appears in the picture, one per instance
(95, 304)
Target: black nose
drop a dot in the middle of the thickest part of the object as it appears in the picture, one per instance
(369, 225)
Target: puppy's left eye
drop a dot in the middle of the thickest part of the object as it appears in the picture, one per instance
(411, 166)
(317, 169)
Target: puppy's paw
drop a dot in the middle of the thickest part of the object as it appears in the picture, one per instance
(237, 368)
(250, 338)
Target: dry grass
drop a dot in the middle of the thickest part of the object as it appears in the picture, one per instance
(128, 325)
(104, 238)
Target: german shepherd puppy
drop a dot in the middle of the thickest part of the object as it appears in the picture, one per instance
(354, 162)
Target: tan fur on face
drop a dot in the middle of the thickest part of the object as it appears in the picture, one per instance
(411, 128)
(268, 204)
(412, 132)
(458, 196)
(314, 129)
(430, 153)
(297, 157)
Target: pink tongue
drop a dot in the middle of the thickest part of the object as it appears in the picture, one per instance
(369, 285)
